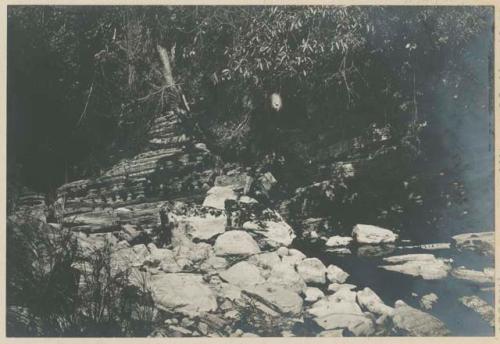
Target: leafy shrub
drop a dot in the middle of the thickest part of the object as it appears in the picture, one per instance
(49, 296)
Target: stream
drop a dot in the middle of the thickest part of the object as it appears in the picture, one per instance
(393, 286)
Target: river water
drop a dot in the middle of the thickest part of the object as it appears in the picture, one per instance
(393, 286)
(458, 144)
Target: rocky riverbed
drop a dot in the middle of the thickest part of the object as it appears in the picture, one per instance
(235, 267)
(256, 278)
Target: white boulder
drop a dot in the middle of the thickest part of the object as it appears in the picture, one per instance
(373, 303)
(336, 274)
(313, 294)
(217, 195)
(338, 241)
(414, 322)
(312, 270)
(369, 234)
(242, 274)
(426, 266)
(182, 292)
(285, 275)
(235, 243)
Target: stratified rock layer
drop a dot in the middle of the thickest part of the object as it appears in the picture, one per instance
(172, 166)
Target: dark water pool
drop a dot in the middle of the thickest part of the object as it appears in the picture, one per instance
(393, 286)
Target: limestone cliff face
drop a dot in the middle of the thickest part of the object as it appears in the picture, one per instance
(172, 166)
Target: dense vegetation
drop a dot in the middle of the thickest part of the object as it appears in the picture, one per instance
(83, 81)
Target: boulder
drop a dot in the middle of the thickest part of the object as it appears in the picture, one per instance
(159, 256)
(285, 276)
(313, 294)
(192, 252)
(265, 261)
(336, 274)
(312, 270)
(235, 243)
(337, 286)
(336, 241)
(205, 228)
(426, 266)
(131, 234)
(292, 257)
(282, 251)
(487, 276)
(413, 322)
(226, 290)
(247, 200)
(217, 195)
(341, 251)
(213, 264)
(368, 234)
(235, 181)
(242, 274)
(331, 314)
(276, 233)
(276, 297)
(478, 305)
(185, 293)
(129, 257)
(343, 294)
(483, 243)
(375, 250)
(427, 301)
(370, 301)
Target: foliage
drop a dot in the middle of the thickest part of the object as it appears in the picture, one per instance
(93, 76)
(60, 300)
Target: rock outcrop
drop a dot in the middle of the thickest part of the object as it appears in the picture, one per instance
(413, 322)
(482, 243)
(481, 307)
(426, 266)
(369, 234)
(487, 276)
(171, 166)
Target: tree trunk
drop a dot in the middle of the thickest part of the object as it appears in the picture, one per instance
(167, 69)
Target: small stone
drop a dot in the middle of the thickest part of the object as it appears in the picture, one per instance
(203, 328)
(186, 322)
(428, 301)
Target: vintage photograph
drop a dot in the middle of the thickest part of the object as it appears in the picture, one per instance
(250, 171)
